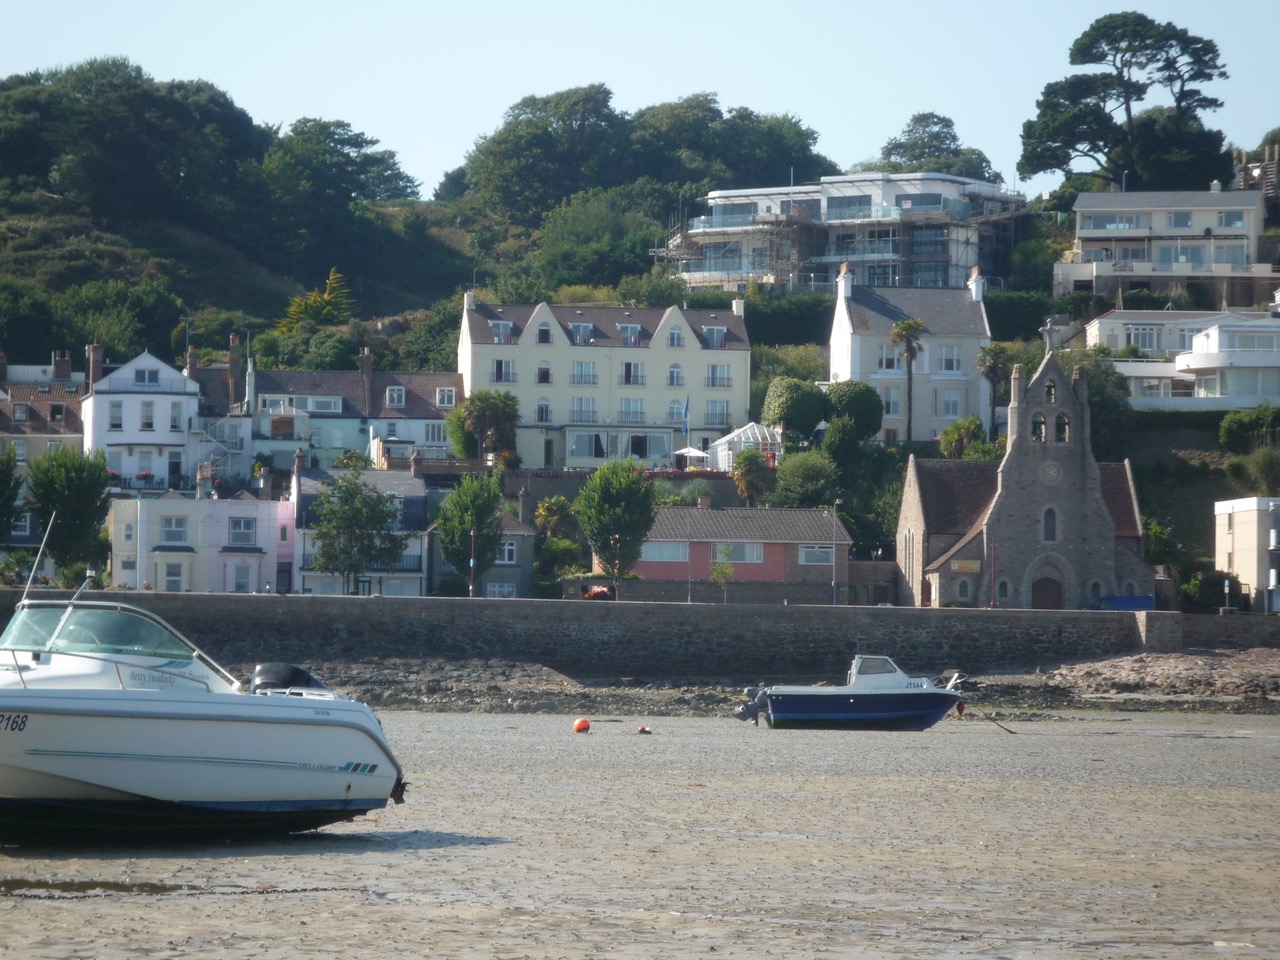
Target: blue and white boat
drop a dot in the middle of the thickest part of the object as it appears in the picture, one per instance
(877, 696)
(112, 723)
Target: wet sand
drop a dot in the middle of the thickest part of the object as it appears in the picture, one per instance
(1146, 835)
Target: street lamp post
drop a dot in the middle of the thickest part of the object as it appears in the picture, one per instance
(835, 525)
(472, 591)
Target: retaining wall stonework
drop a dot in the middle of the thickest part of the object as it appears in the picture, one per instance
(608, 640)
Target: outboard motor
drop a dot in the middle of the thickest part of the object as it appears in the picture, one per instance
(757, 700)
(283, 676)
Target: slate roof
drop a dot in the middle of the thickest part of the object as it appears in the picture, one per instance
(401, 483)
(955, 494)
(1169, 200)
(945, 311)
(743, 524)
(420, 390)
(40, 399)
(605, 320)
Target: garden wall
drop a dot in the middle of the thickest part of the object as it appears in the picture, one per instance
(679, 641)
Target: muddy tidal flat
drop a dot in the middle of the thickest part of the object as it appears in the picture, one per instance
(1100, 835)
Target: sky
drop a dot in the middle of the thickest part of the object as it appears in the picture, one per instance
(427, 79)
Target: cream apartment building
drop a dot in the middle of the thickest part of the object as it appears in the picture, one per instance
(596, 383)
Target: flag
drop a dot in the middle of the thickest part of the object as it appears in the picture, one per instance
(685, 422)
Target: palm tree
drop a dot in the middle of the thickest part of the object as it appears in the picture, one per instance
(750, 472)
(492, 416)
(907, 334)
(993, 366)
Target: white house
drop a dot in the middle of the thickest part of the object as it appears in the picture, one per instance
(145, 416)
(1246, 543)
(595, 383)
(946, 384)
(1171, 240)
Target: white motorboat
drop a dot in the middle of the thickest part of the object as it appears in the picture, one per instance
(113, 723)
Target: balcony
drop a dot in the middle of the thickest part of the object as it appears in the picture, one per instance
(408, 563)
(719, 382)
(506, 376)
(583, 379)
(631, 380)
(582, 416)
(716, 420)
(631, 417)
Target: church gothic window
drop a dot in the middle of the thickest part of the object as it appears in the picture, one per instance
(1050, 392)
(1050, 525)
(1037, 428)
(1002, 591)
(1061, 429)
(962, 590)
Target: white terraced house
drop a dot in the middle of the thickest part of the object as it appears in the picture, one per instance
(596, 383)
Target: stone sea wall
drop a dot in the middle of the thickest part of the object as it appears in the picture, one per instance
(700, 641)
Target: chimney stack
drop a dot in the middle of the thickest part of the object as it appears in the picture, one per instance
(62, 365)
(366, 373)
(526, 515)
(415, 464)
(93, 364)
(233, 369)
(192, 363)
(977, 284)
(4, 366)
(844, 283)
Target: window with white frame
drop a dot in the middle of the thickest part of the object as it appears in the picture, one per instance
(584, 373)
(173, 577)
(631, 410)
(892, 398)
(675, 412)
(542, 412)
(506, 553)
(21, 412)
(1231, 218)
(243, 532)
(630, 334)
(1179, 219)
(434, 432)
(581, 333)
(664, 551)
(19, 448)
(445, 397)
(719, 375)
(501, 331)
(675, 337)
(500, 591)
(740, 552)
(502, 371)
(675, 376)
(175, 415)
(631, 374)
(242, 573)
(22, 525)
(115, 415)
(128, 533)
(582, 410)
(147, 421)
(543, 374)
(717, 413)
(544, 332)
(890, 358)
(951, 402)
(115, 462)
(173, 529)
(146, 377)
(144, 461)
(395, 396)
(1144, 338)
(391, 430)
(816, 554)
(949, 359)
(53, 446)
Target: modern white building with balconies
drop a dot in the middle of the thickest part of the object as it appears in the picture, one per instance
(903, 229)
(595, 383)
(1206, 242)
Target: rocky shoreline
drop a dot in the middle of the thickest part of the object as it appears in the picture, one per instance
(1202, 680)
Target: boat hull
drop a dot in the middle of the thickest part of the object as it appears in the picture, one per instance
(164, 762)
(834, 708)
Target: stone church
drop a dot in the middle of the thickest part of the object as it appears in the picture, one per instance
(1047, 527)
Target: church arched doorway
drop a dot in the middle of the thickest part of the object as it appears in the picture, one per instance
(1046, 594)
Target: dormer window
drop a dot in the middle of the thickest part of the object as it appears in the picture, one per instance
(56, 413)
(395, 396)
(21, 412)
(715, 337)
(675, 338)
(146, 377)
(630, 334)
(544, 333)
(581, 333)
(446, 397)
(502, 331)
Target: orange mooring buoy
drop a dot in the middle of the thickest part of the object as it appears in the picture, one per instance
(644, 730)
(582, 725)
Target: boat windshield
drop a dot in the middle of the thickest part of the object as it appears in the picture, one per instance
(92, 630)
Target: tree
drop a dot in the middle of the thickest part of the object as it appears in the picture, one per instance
(332, 306)
(615, 511)
(76, 486)
(11, 506)
(797, 405)
(800, 361)
(859, 403)
(722, 571)
(995, 368)
(956, 438)
(750, 474)
(491, 417)
(470, 524)
(354, 529)
(1094, 116)
(907, 334)
(806, 479)
(928, 143)
(1110, 415)
(553, 516)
